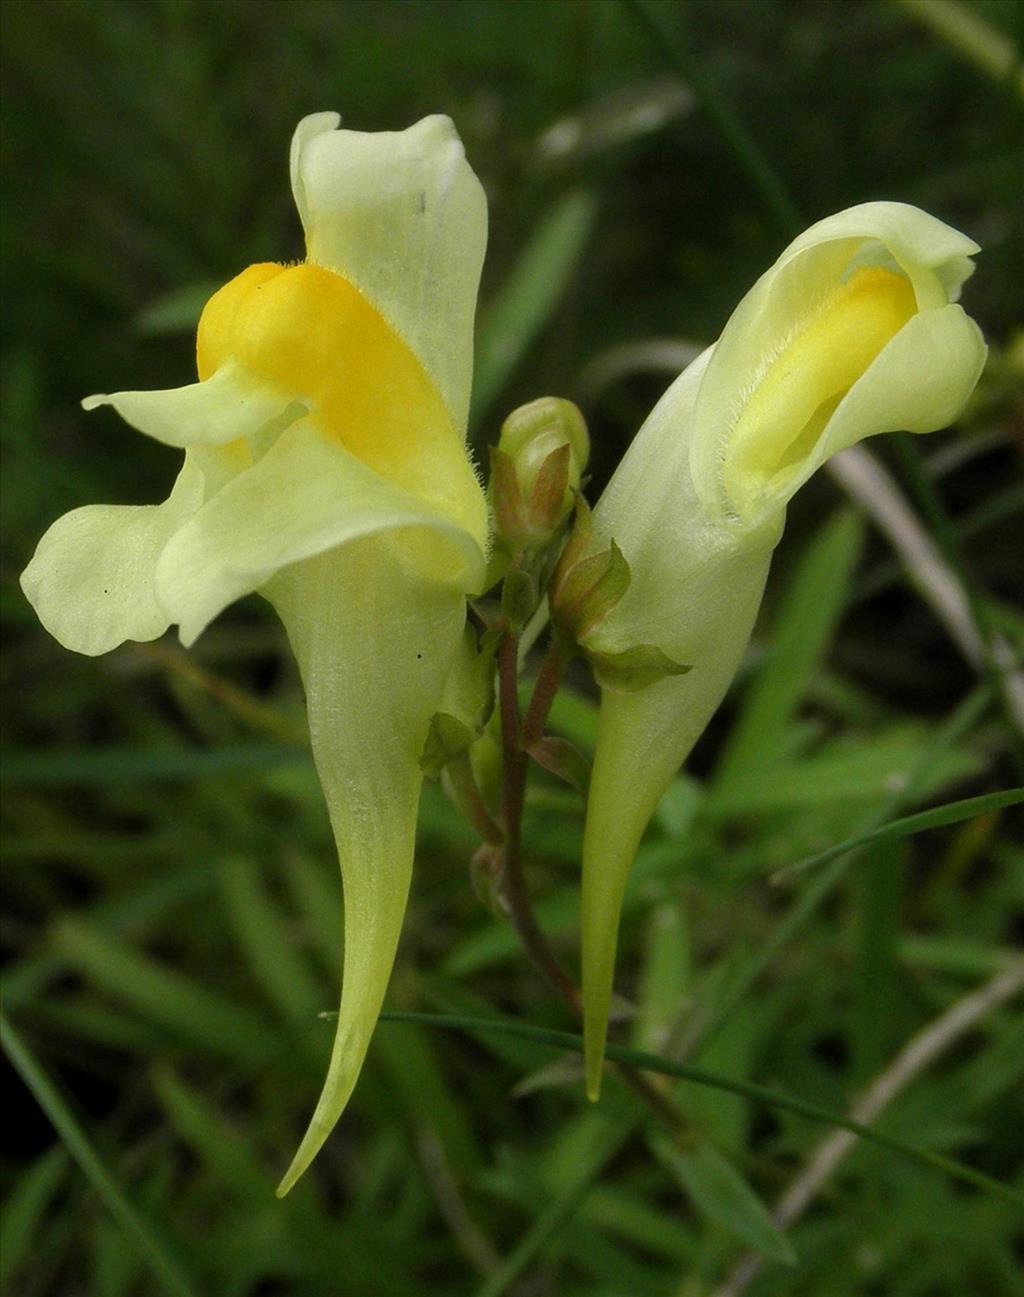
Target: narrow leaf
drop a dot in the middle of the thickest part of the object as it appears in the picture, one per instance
(167, 1269)
(529, 295)
(718, 1190)
(24, 1208)
(907, 825)
(206, 1019)
(773, 1098)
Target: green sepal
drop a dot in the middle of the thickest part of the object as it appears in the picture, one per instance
(466, 703)
(549, 500)
(447, 738)
(634, 668)
(585, 592)
(506, 497)
(576, 542)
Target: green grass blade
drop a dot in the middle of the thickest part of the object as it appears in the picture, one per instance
(165, 1267)
(420, 1085)
(194, 1014)
(134, 765)
(268, 946)
(878, 888)
(964, 29)
(27, 979)
(212, 1138)
(719, 109)
(527, 298)
(316, 895)
(24, 1208)
(938, 817)
(772, 1098)
(962, 721)
(720, 1193)
(551, 1219)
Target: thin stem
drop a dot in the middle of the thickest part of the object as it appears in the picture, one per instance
(229, 695)
(462, 786)
(512, 891)
(999, 665)
(872, 487)
(469, 1238)
(549, 677)
(637, 1058)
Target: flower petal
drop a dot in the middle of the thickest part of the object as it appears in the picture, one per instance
(797, 297)
(914, 237)
(402, 217)
(753, 337)
(91, 579)
(306, 495)
(695, 589)
(850, 333)
(374, 647)
(232, 403)
(919, 382)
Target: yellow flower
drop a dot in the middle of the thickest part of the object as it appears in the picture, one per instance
(325, 467)
(854, 331)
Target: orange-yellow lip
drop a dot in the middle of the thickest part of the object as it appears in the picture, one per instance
(312, 333)
(796, 395)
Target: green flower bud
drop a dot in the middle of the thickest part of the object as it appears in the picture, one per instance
(536, 470)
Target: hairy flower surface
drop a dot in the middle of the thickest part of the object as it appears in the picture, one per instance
(325, 467)
(854, 331)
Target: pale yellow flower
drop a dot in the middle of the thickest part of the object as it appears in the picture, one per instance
(854, 331)
(325, 467)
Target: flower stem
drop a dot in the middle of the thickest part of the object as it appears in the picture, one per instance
(462, 787)
(549, 677)
(511, 891)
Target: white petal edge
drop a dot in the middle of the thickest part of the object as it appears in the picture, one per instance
(309, 128)
(914, 237)
(374, 647)
(231, 403)
(91, 580)
(305, 496)
(402, 216)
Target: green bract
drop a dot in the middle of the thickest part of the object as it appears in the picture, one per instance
(852, 332)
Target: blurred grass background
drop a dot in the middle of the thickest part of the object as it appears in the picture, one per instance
(172, 916)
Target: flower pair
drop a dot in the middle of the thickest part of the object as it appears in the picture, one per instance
(325, 467)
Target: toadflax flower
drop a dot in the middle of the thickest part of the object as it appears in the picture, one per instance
(854, 331)
(325, 467)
